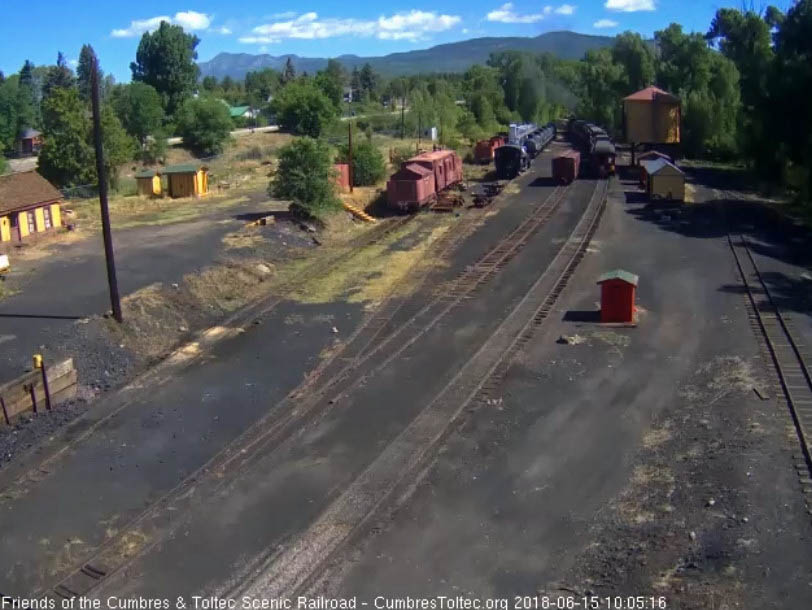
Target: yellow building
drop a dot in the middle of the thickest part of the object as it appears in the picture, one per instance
(187, 180)
(664, 180)
(149, 183)
(29, 205)
(652, 116)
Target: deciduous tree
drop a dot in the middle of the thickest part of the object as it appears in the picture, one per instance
(204, 125)
(165, 59)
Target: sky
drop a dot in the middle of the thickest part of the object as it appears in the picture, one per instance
(38, 29)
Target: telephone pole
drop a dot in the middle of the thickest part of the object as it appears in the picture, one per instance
(115, 300)
(349, 134)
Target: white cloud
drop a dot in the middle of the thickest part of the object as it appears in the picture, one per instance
(604, 23)
(189, 20)
(413, 25)
(565, 9)
(285, 15)
(629, 6)
(140, 26)
(506, 14)
(73, 63)
(192, 20)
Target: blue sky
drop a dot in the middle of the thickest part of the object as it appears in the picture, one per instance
(36, 30)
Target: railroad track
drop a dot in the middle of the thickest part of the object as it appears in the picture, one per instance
(789, 354)
(166, 369)
(385, 483)
(151, 526)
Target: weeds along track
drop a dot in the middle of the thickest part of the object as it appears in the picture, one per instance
(315, 397)
(789, 355)
(385, 483)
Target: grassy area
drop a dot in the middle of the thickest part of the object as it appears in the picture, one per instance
(372, 272)
(128, 212)
(6, 291)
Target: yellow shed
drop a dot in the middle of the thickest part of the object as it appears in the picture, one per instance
(148, 182)
(187, 180)
(29, 205)
(664, 180)
(652, 116)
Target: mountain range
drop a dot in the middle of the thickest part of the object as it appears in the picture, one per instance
(451, 57)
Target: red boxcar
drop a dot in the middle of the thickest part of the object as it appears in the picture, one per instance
(565, 167)
(484, 149)
(483, 152)
(411, 187)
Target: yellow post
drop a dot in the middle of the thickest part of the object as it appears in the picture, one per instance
(37, 361)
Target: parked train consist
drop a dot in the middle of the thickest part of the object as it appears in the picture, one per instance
(421, 178)
(597, 149)
(525, 142)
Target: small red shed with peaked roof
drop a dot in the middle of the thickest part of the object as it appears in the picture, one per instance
(618, 289)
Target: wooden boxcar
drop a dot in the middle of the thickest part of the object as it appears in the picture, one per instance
(411, 187)
(444, 164)
(565, 167)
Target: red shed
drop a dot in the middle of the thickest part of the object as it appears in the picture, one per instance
(342, 176)
(410, 187)
(565, 166)
(444, 164)
(617, 296)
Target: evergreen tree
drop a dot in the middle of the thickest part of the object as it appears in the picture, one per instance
(290, 72)
(58, 76)
(83, 70)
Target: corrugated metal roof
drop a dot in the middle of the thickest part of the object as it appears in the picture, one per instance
(238, 111)
(649, 94)
(182, 168)
(434, 155)
(654, 166)
(24, 189)
(29, 133)
(619, 274)
(416, 169)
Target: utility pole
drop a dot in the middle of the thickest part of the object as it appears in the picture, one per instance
(349, 134)
(417, 152)
(112, 282)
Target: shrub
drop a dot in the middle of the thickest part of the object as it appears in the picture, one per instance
(204, 124)
(302, 108)
(305, 176)
(399, 155)
(368, 164)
